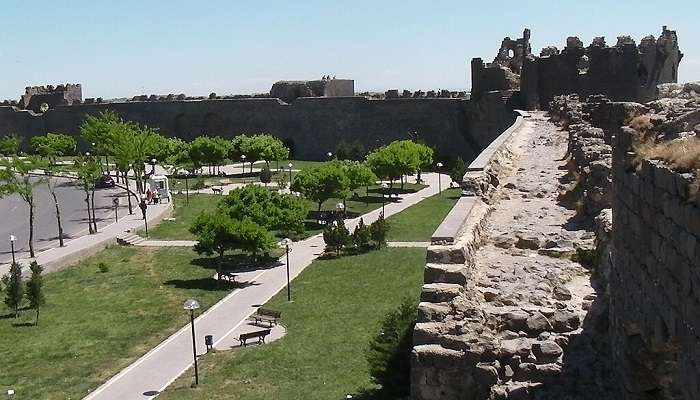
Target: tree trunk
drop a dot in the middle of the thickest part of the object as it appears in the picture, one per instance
(187, 191)
(36, 322)
(87, 204)
(31, 229)
(58, 217)
(128, 195)
(94, 217)
(107, 164)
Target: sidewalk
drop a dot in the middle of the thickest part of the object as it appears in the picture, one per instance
(154, 371)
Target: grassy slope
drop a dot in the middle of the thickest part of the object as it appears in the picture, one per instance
(417, 223)
(337, 307)
(94, 324)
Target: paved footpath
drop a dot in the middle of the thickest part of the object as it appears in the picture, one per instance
(154, 371)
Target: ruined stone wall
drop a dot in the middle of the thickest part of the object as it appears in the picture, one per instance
(624, 72)
(655, 279)
(455, 127)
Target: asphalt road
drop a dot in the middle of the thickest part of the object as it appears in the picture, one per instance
(14, 217)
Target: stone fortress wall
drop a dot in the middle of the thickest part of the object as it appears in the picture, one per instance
(655, 279)
(646, 221)
(315, 117)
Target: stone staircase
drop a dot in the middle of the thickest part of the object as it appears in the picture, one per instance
(129, 239)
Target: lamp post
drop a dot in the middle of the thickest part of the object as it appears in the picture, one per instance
(153, 166)
(243, 164)
(290, 165)
(286, 242)
(341, 210)
(143, 206)
(330, 155)
(191, 305)
(439, 166)
(384, 186)
(12, 246)
(187, 187)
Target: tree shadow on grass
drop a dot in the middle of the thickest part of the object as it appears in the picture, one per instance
(237, 263)
(23, 324)
(209, 284)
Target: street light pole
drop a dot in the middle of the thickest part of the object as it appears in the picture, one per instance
(192, 305)
(243, 164)
(384, 186)
(153, 166)
(12, 246)
(439, 166)
(286, 242)
(290, 176)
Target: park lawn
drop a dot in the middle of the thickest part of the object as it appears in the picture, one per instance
(418, 222)
(183, 214)
(338, 306)
(96, 323)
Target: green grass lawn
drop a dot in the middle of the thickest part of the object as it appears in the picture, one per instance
(417, 223)
(96, 323)
(338, 305)
(183, 214)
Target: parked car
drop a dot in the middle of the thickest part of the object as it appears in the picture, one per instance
(105, 181)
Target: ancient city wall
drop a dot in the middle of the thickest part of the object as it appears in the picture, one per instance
(455, 127)
(655, 279)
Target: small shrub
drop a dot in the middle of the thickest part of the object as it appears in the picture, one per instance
(362, 236)
(102, 267)
(389, 353)
(641, 123)
(265, 175)
(336, 236)
(458, 170)
(378, 231)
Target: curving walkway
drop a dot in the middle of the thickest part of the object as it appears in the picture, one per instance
(158, 368)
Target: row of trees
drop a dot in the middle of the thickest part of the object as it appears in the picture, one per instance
(16, 290)
(337, 237)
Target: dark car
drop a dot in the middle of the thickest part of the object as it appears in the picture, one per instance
(105, 181)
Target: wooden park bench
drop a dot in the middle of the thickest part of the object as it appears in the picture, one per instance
(244, 337)
(266, 315)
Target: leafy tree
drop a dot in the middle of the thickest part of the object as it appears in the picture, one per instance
(395, 160)
(14, 289)
(359, 174)
(15, 178)
(362, 236)
(9, 145)
(35, 292)
(425, 157)
(266, 175)
(180, 160)
(272, 149)
(323, 182)
(458, 170)
(88, 172)
(389, 353)
(219, 233)
(99, 129)
(378, 231)
(209, 151)
(269, 209)
(53, 145)
(336, 236)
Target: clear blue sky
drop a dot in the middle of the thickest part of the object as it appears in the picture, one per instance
(128, 47)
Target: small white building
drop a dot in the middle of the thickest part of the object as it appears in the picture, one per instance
(159, 184)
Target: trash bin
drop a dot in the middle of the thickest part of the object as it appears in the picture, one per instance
(209, 342)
